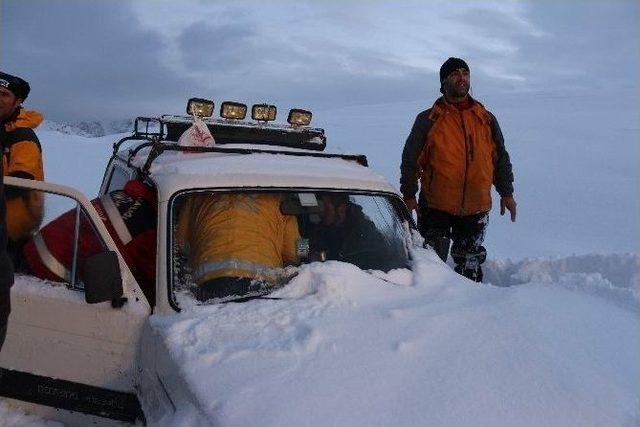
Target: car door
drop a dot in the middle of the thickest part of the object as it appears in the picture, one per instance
(64, 357)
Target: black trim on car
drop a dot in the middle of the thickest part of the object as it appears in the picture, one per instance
(71, 396)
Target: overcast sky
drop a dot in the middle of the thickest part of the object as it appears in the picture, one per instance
(117, 59)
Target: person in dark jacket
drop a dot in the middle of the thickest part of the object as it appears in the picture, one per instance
(13, 90)
(22, 158)
(346, 234)
(456, 150)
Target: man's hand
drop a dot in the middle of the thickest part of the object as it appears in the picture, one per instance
(510, 204)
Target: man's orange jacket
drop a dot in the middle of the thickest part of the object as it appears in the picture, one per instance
(457, 154)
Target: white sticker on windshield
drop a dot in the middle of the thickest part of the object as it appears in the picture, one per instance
(307, 199)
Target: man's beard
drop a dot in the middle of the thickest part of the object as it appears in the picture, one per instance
(455, 91)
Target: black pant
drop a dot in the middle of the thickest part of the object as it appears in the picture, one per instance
(14, 250)
(467, 233)
(225, 286)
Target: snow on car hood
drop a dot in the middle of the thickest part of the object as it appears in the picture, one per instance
(428, 347)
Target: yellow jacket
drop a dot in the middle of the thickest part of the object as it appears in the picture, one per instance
(22, 158)
(236, 235)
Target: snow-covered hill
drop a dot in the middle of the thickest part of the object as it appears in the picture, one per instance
(89, 129)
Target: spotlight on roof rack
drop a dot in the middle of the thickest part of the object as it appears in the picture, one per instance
(299, 117)
(200, 107)
(263, 112)
(233, 110)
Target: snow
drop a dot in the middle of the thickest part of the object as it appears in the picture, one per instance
(175, 171)
(343, 347)
(25, 284)
(12, 417)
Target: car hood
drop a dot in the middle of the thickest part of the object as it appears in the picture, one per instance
(421, 347)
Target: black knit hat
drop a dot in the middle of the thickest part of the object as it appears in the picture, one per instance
(19, 87)
(450, 65)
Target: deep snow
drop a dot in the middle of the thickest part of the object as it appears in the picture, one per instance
(345, 348)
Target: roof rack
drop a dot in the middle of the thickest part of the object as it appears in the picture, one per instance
(162, 134)
(225, 131)
(159, 147)
(144, 129)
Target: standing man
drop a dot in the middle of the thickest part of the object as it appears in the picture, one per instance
(13, 90)
(22, 158)
(456, 149)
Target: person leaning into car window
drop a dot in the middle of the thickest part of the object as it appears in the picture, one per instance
(233, 243)
(344, 233)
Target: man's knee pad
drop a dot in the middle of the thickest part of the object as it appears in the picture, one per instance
(470, 262)
(473, 274)
(475, 256)
(439, 243)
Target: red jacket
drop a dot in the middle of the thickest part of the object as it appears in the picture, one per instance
(130, 217)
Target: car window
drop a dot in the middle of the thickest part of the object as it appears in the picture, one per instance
(119, 177)
(247, 241)
(55, 237)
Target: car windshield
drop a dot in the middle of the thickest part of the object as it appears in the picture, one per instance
(229, 244)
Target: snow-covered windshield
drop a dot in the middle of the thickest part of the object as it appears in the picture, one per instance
(230, 244)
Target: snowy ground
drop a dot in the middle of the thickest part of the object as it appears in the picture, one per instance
(13, 417)
(429, 348)
(553, 340)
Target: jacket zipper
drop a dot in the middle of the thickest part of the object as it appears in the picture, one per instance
(466, 163)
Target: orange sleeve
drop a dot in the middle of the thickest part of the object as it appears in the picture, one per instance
(25, 156)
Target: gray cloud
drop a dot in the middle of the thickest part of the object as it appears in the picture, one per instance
(87, 59)
(104, 59)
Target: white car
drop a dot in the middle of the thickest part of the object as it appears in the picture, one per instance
(106, 361)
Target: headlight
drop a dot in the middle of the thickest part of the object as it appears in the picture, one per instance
(233, 110)
(263, 112)
(200, 107)
(299, 117)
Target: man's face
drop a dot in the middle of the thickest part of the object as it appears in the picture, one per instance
(332, 213)
(8, 103)
(457, 84)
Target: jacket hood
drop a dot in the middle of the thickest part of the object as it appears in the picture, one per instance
(26, 119)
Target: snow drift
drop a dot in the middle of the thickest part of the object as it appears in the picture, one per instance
(343, 347)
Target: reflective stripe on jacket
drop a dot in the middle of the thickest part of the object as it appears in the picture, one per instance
(236, 235)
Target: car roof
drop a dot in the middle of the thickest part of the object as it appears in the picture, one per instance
(248, 166)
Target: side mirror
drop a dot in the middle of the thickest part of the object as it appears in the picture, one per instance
(101, 277)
